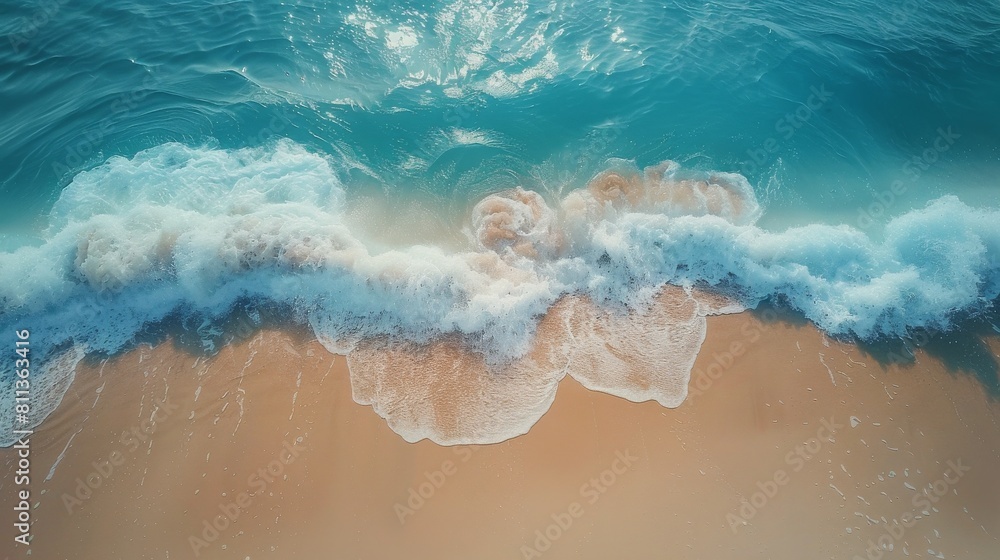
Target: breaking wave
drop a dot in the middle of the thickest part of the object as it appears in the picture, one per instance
(610, 283)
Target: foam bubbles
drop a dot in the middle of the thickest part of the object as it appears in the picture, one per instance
(50, 379)
(449, 394)
(516, 222)
(445, 392)
(642, 354)
(611, 283)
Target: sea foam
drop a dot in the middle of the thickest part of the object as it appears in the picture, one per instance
(611, 283)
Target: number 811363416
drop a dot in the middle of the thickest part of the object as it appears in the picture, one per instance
(22, 367)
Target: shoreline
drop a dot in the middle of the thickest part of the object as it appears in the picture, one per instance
(794, 443)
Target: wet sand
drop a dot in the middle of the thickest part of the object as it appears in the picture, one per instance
(794, 447)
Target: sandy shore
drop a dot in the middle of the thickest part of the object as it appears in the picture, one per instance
(794, 447)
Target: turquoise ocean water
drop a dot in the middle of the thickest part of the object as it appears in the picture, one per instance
(185, 159)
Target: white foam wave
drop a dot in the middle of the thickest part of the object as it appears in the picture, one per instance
(48, 382)
(193, 231)
(645, 354)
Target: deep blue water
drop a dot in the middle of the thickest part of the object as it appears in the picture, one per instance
(173, 158)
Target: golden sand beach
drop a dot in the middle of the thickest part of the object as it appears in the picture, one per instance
(789, 446)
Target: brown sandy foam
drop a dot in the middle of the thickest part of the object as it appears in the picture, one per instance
(681, 474)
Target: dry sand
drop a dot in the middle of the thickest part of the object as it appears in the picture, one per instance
(346, 482)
